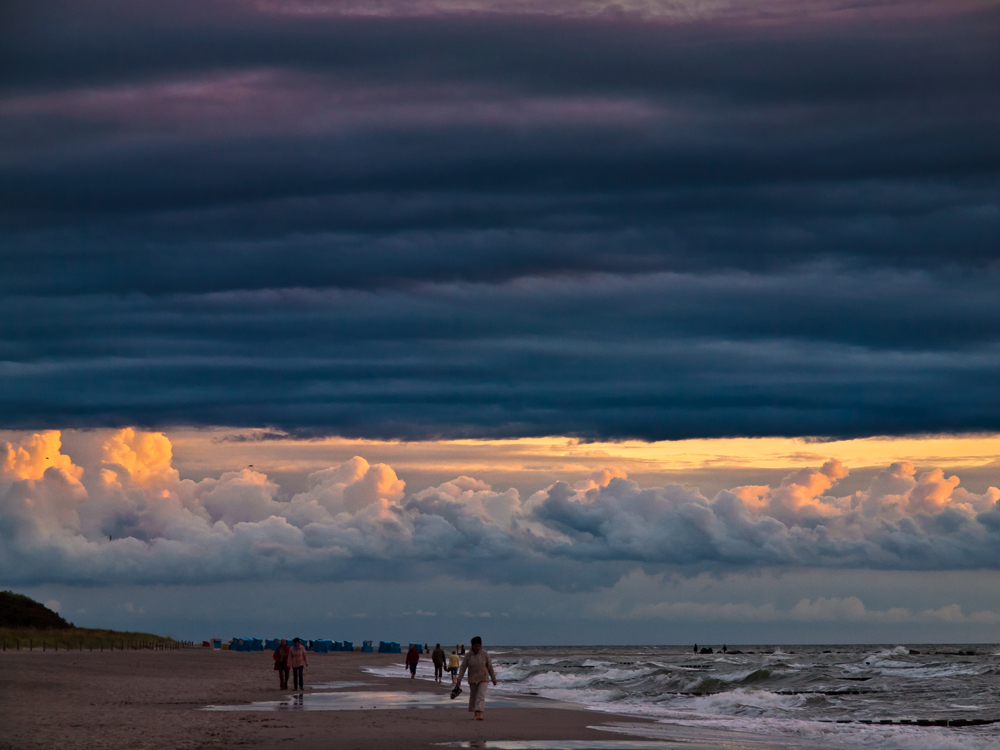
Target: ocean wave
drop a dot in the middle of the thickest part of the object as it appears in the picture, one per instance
(741, 702)
(792, 693)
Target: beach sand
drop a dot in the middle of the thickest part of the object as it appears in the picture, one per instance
(151, 699)
(146, 700)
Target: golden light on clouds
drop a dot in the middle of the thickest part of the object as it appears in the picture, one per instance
(208, 449)
(156, 458)
(34, 455)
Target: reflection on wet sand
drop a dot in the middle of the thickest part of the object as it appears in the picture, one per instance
(376, 700)
(339, 685)
(563, 745)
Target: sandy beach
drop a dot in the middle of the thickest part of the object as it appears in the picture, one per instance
(151, 699)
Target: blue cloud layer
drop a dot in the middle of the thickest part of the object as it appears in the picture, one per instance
(497, 224)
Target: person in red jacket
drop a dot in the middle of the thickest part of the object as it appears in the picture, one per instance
(412, 657)
(281, 663)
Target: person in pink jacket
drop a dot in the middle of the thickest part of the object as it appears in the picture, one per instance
(297, 661)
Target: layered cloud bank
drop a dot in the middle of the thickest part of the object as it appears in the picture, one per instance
(669, 10)
(641, 596)
(648, 219)
(123, 515)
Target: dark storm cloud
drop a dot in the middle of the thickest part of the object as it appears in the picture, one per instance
(659, 356)
(483, 224)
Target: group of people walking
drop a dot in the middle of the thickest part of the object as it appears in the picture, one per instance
(291, 658)
(477, 663)
(439, 659)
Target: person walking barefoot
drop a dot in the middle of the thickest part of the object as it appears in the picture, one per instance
(480, 668)
(453, 662)
(412, 659)
(439, 659)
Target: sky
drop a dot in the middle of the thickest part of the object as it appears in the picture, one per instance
(566, 321)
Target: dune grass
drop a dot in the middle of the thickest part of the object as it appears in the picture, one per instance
(86, 639)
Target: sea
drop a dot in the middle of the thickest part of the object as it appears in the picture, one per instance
(913, 697)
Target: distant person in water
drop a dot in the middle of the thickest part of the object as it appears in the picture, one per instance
(281, 663)
(438, 657)
(298, 661)
(696, 648)
(453, 663)
(412, 658)
(462, 652)
(480, 669)
(725, 650)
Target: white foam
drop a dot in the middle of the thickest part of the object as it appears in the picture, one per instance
(794, 732)
(425, 670)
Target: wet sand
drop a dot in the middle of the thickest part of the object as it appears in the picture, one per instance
(151, 699)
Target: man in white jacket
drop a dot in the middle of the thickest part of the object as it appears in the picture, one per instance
(480, 669)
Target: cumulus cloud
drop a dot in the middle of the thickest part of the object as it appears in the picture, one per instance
(144, 456)
(30, 459)
(238, 497)
(125, 515)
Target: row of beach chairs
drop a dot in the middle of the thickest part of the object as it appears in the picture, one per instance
(318, 645)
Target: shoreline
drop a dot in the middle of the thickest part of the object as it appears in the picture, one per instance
(153, 700)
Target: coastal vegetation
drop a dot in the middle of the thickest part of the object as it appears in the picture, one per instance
(27, 624)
